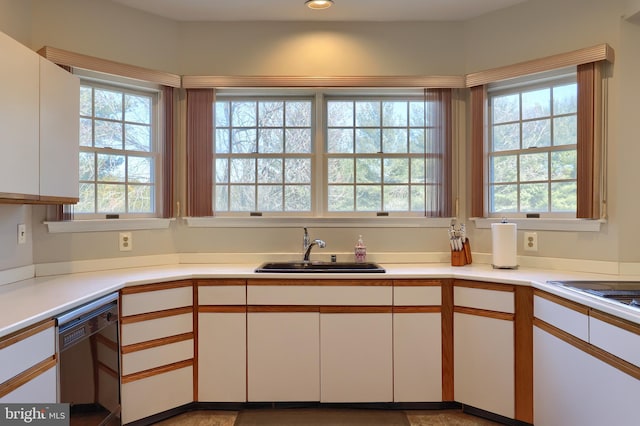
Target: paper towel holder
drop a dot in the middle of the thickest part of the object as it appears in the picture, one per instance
(515, 266)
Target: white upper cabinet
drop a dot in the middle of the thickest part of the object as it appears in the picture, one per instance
(19, 111)
(59, 132)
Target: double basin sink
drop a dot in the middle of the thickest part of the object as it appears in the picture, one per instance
(320, 267)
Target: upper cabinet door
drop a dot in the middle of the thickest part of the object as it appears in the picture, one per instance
(59, 133)
(19, 129)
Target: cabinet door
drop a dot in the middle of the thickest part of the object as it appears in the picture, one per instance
(356, 357)
(283, 356)
(222, 356)
(484, 363)
(417, 357)
(59, 132)
(572, 387)
(38, 390)
(19, 164)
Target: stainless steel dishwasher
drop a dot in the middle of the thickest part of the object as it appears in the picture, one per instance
(89, 362)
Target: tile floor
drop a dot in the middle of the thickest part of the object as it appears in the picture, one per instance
(320, 418)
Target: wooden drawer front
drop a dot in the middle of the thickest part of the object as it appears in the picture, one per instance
(156, 329)
(222, 295)
(41, 389)
(320, 295)
(417, 296)
(490, 300)
(615, 340)
(135, 362)
(26, 352)
(160, 300)
(562, 317)
(155, 394)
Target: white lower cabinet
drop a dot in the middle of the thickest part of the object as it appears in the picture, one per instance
(417, 357)
(572, 387)
(283, 356)
(484, 363)
(356, 357)
(222, 356)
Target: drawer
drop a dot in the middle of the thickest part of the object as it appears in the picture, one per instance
(417, 296)
(491, 300)
(622, 341)
(562, 316)
(25, 349)
(158, 356)
(320, 295)
(144, 331)
(222, 295)
(158, 300)
(39, 390)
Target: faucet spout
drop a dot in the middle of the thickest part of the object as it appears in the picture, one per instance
(307, 252)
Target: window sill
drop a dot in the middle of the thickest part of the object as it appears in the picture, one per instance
(98, 225)
(325, 222)
(546, 224)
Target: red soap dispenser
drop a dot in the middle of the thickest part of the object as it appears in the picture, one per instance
(360, 251)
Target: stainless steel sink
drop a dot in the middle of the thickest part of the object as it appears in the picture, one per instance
(336, 267)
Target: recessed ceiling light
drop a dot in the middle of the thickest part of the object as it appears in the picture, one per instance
(319, 4)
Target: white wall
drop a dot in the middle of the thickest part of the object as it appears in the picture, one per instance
(526, 31)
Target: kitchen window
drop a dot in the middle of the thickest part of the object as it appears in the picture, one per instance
(332, 154)
(532, 146)
(120, 157)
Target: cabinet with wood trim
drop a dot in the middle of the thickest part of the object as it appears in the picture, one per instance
(586, 369)
(28, 365)
(157, 347)
(492, 361)
(417, 337)
(221, 340)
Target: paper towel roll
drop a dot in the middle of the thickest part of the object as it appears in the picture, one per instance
(504, 237)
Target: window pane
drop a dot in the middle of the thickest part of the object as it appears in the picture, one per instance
(536, 134)
(269, 170)
(108, 104)
(244, 141)
(565, 130)
(394, 114)
(504, 198)
(416, 114)
(536, 104)
(111, 198)
(418, 202)
(367, 140)
(243, 170)
(564, 196)
(222, 141)
(506, 137)
(534, 167)
(340, 198)
(270, 114)
(222, 170)
(86, 101)
(339, 113)
(87, 199)
(111, 168)
(137, 109)
(505, 108)
(139, 170)
(140, 197)
(417, 141)
(298, 113)
(243, 114)
(394, 141)
(270, 198)
(565, 99)
(340, 141)
(504, 169)
(297, 170)
(340, 170)
(137, 137)
(222, 197)
(534, 197)
(86, 132)
(396, 170)
(242, 198)
(417, 170)
(564, 165)
(368, 170)
(271, 141)
(108, 134)
(298, 141)
(87, 166)
(368, 198)
(297, 198)
(396, 198)
(222, 114)
(367, 114)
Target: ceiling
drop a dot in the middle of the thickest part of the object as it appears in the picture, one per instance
(342, 10)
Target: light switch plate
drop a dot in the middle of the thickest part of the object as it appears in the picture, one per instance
(22, 233)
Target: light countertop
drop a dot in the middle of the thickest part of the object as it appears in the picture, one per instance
(27, 302)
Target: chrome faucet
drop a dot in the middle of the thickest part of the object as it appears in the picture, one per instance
(307, 245)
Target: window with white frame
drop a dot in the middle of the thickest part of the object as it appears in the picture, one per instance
(532, 153)
(119, 151)
(324, 154)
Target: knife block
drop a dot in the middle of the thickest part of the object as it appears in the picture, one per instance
(462, 257)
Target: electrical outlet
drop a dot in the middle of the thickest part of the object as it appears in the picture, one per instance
(531, 241)
(126, 241)
(22, 233)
